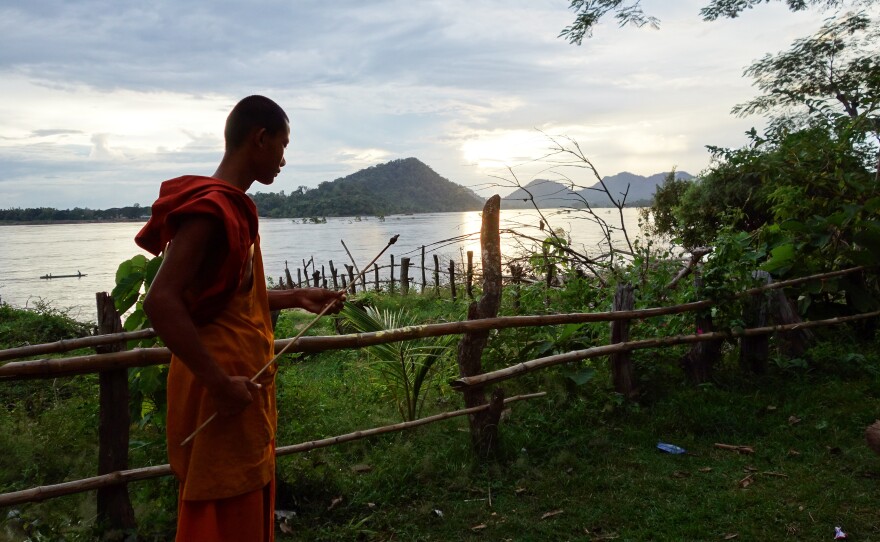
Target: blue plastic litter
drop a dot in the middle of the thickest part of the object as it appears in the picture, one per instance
(670, 448)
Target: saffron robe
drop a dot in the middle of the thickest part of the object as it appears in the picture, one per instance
(230, 464)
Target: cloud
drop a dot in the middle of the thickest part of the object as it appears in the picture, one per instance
(122, 95)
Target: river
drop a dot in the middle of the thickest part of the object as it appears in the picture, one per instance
(95, 250)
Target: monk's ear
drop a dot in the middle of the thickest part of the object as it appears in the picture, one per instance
(259, 136)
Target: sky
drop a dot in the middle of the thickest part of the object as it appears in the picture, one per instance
(104, 99)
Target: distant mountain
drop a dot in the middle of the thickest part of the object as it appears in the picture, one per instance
(398, 186)
(638, 189)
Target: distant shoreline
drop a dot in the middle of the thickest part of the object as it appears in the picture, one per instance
(51, 222)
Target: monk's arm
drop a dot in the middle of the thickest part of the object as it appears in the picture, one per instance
(171, 318)
(311, 299)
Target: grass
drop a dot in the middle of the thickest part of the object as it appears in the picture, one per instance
(577, 464)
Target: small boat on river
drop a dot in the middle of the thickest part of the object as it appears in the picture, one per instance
(76, 276)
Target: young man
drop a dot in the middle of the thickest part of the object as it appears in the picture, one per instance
(210, 306)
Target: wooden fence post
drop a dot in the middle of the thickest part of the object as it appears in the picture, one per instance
(452, 278)
(621, 362)
(316, 278)
(470, 274)
(755, 351)
(287, 275)
(404, 275)
(424, 276)
(114, 505)
(333, 273)
(436, 274)
(299, 279)
(391, 287)
(698, 362)
(484, 424)
(375, 276)
(350, 269)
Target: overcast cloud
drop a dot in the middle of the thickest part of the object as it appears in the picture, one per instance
(104, 99)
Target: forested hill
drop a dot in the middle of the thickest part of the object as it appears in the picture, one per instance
(399, 186)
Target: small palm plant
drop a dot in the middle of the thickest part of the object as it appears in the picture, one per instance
(406, 369)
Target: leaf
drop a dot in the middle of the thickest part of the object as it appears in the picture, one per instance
(127, 291)
(151, 270)
(780, 258)
(581, 377)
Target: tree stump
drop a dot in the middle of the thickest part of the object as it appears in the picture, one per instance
(484, 424)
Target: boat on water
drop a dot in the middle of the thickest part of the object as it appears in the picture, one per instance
(76, 276)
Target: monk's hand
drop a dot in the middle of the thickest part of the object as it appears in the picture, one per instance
(315, 299)
(233, 395)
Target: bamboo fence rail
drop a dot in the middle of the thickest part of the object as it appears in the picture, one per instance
(311, 344)
(42, 493)
(598, 351)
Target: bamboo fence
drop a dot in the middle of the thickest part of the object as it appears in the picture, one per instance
(42, 493)
(141, 357)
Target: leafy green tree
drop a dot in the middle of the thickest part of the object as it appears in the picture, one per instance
(589, 12)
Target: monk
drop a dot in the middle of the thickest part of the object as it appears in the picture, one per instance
(210, 306)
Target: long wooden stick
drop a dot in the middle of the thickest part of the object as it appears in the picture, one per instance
(293, 341)
(577, 355)
(42, 493)
(66, 345)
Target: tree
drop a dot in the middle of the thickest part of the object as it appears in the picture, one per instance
(589, 12)
(831, 78)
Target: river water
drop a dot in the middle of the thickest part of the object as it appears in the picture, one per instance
(95, 250)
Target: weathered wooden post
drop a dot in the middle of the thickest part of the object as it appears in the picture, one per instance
(350, 270)
(436, 274)
(470, 274)
(452, 278)
(344, 284)
(755, 351)
(404, 275)
(287, 274)
(114, 505)
(316, 278)
(622, 373)
(424, 276)
(391, 287)
(698, 362)
(376, 276)
(484, 424)
(299, 279)
(333, 274)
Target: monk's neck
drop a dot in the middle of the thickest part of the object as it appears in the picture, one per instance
(232, 172)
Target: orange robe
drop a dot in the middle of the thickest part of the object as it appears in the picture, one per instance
(226, 472)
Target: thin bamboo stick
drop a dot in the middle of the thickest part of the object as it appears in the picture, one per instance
(323, 443)
(41, 493)
(66, 345)
(597, 351)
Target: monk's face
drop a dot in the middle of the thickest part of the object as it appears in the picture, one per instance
(272, 154)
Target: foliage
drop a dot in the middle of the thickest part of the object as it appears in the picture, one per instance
(408, 369)
(833, 74)
(147, 385)
(49, 214)
(588, 13)
(398, 186)
(42, 324)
